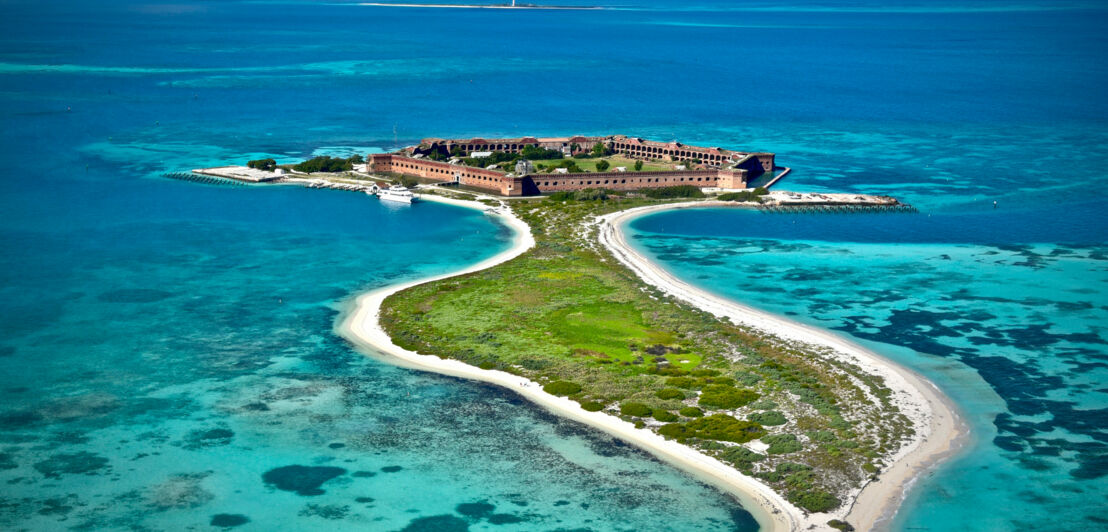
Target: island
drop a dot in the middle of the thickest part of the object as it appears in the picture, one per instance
(805, 428)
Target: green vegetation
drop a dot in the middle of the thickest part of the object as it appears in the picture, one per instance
(638, 166)
(840, 525)
(742, 458)
(679, 191)
(665, 416)
(714, 427)
(268, 165)
(562, 388)
(634, 409)
(535, 153)
(602, 166)
(691, 411)
(325, 163)
(745, 195)
(782, 444)
(565, 311)
(592, 406)
(771, 418)
(588, 194)
(725, 397)
(669, 393)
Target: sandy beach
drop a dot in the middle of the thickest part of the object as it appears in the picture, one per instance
(939, 428)
(940, 431)
(362, 328)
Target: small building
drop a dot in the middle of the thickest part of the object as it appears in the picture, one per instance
(524, 167)
(492, 167)
(621, 168)
(561, 170)
(479, 154)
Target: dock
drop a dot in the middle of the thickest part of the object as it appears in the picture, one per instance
(831, 203)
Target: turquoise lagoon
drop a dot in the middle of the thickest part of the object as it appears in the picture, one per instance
(168, 359)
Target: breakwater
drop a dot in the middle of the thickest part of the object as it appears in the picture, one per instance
(202, 179)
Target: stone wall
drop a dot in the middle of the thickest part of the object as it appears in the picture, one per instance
(498, 182)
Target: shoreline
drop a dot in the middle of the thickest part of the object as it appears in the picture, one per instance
(941, 431)
(361, 327)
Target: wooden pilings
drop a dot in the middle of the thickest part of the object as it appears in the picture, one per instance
(202, 179)
(858, 208)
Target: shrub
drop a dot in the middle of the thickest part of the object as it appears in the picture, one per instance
(741, 457)
(791, 467)
(840, 525)
(538, 153)
(814, 501)
(670, 393)
(673, 430)
(691, 411)
(562, 388)
(665, 416)
(263, 164)
(782, 444)
(681, 382)
(764, 404)
(769, 418)
(638, 166)
(705, 372)
(324, 163)
(746, 195)
(592, 406)
(724, 428)
(602, 165)
(725, 397)
(634, 409)
(679, 191)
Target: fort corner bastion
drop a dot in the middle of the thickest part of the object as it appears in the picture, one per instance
(441, 160)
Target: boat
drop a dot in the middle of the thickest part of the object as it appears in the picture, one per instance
(397, 193)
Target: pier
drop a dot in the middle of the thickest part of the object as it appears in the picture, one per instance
(202, 179)
(781, 202)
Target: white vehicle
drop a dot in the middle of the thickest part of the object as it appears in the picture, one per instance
(397, 193)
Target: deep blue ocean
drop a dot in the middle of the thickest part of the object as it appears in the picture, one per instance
(167, 356)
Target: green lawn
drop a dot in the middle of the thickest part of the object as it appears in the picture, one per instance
(589, 165)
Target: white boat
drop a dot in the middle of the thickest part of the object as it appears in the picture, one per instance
(397, 193)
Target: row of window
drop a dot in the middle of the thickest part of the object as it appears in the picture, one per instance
(619, 181)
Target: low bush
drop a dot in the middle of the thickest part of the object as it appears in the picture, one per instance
(770, 418)
(691, 411)
(840, 525)
(670, 393)
(782, 444)
(741, 457)
(324, 163)
(592, 406)
(263, 164)
(721, 396)
(687, 383)
(562, 388)
(634, 409)
(718, 427)
(602, 166)
(665, 416)
(814, 501)
(680, 191)
(745, 195)
(764, 404)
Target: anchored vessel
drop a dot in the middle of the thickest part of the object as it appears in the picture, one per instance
(396, 193)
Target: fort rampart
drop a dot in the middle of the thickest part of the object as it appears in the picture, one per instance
(722, 168)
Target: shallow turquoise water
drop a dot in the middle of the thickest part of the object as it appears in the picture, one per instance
(1014, 332)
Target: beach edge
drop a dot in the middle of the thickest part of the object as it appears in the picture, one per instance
(941, 430)
(360, 326)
